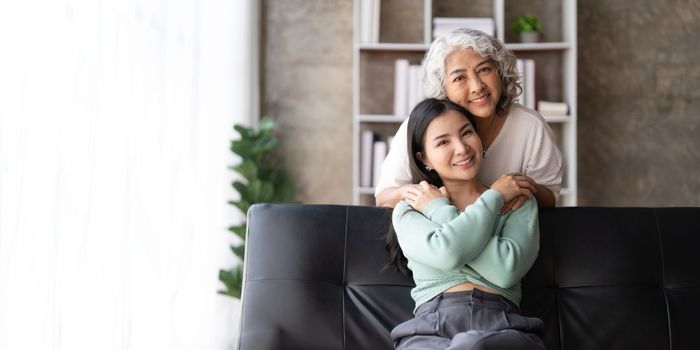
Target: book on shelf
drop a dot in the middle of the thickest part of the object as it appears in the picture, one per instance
(408, 88)
(547, 108)
(530, 83)
(373, 150)
(366, 145)
(445, 25)
(415, 88)
(401, 86)
(526, 70)
(369, 21)
(378, 155)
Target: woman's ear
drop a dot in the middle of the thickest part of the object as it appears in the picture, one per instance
(426, 165)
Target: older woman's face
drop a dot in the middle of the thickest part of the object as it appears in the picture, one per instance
(472, 81)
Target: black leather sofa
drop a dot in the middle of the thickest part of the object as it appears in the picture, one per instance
(606, 278)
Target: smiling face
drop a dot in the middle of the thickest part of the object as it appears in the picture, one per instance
(472, 81)
(452, 147)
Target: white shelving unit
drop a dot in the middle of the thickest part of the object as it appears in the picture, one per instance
(365, 54)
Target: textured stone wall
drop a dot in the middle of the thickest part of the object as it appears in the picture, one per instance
(639, 103)
(639, 97)
(307, 85)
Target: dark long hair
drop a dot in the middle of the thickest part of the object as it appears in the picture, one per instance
(421, 116)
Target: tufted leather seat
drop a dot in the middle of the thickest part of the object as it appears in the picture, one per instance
(605, 278)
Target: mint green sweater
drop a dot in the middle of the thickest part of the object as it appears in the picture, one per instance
(446, 247)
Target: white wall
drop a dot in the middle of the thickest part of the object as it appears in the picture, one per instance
(115, 121)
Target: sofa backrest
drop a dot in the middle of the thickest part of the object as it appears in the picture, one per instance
(316, 277)
(617, 278)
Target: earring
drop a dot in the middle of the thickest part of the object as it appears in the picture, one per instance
(484, 155)
(428, 167)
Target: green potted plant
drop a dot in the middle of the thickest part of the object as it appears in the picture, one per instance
(529, 27)
(263, 182)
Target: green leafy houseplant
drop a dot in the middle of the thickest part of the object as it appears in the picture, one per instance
(263, 182)
(527, 23)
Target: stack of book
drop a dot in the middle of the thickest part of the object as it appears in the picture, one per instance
(408, 88)
(444, 25)
(369, 21)
(526, 69)
(547, 108)
(373, 150)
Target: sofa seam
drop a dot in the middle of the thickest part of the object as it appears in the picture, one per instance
(345, 260)
(663, 278)
(555, 281)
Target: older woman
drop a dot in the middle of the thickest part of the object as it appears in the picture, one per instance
(477, 72)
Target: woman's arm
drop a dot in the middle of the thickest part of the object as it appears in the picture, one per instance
(544, 196)
(510, 253)
(421, 196)
(545, 167)
(395, 172)
(451, 245)
(388, 197)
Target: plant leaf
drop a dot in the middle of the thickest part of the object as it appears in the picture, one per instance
(267, 123)
(239, 250)
(233, 280)
(264, 182)
(239, 230)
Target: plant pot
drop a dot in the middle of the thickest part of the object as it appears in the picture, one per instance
(529, 37)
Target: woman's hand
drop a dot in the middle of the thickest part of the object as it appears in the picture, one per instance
(419, 196)
(513, 204)
(512, 186)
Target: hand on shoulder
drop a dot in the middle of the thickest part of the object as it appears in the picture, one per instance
(511, 186)
(420, 195)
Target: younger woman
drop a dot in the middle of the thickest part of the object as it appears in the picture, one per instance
(467, 261)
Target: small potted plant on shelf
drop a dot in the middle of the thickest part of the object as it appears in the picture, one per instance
(529, 27)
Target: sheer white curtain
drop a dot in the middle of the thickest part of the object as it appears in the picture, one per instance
(115, 120)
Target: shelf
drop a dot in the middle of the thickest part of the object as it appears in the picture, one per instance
(370, 191)
(393, 47)
(382, 118)
(366, 190)
(424, 47)
(558, 118)
(538, 46)
(374, 76)
(390, 118)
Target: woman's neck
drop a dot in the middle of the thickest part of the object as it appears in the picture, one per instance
(488, 128)
(463, 193)
(485, 122)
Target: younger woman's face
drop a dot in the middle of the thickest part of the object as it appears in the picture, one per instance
(452, 147)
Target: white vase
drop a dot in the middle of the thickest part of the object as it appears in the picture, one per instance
(529, 37)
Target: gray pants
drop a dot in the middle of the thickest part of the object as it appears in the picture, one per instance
(468, 320)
